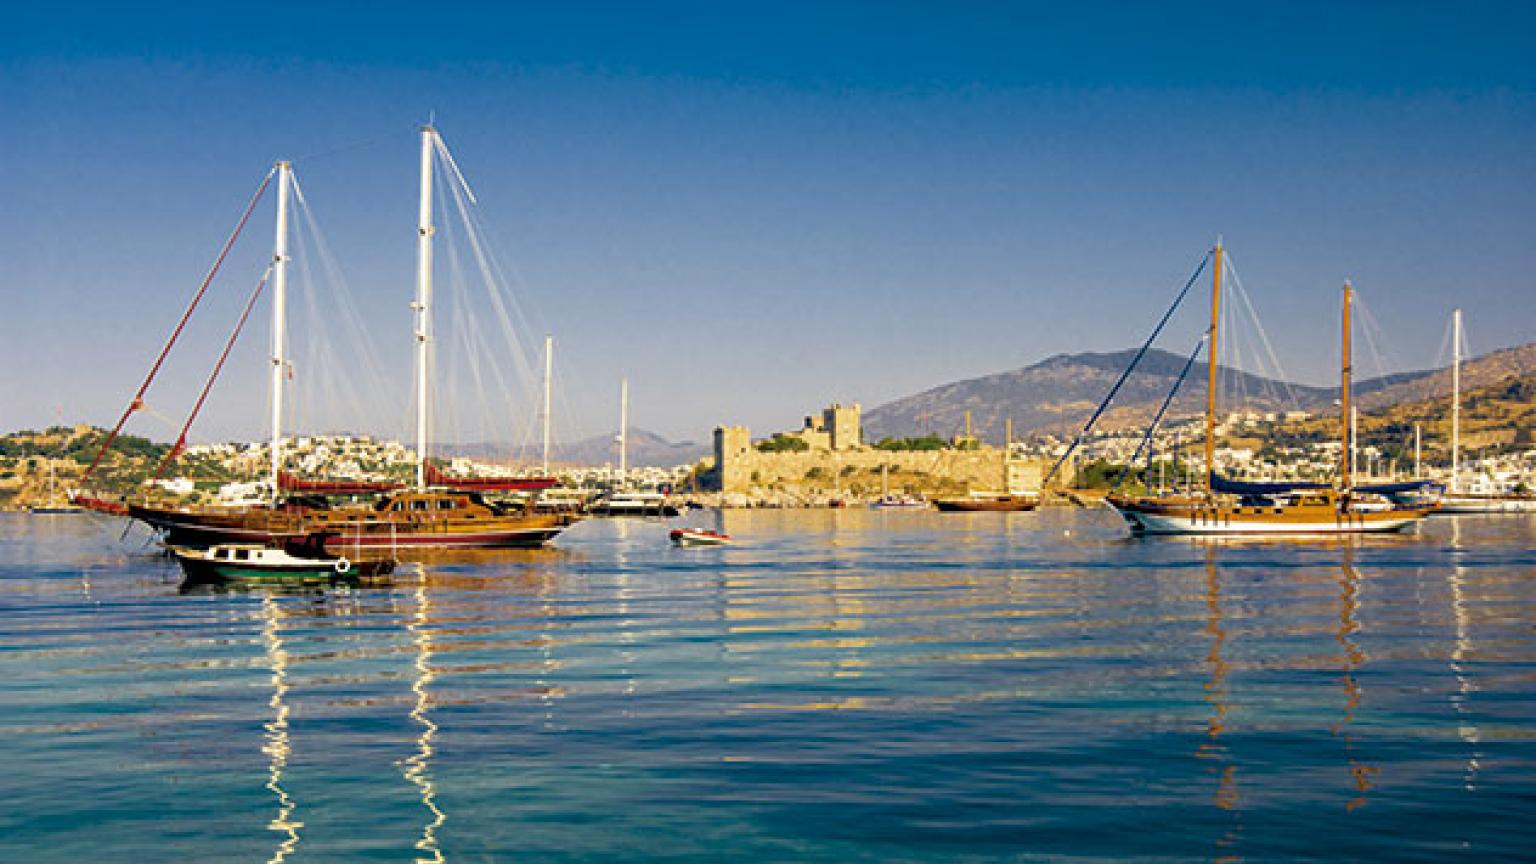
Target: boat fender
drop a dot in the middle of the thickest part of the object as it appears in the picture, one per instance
(343, 565)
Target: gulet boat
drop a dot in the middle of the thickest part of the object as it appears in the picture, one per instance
(1230, 507)
(438, 511)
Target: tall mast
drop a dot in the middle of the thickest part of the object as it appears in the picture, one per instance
(1346, 440)
(423, 302)
(1456, 400)
(1418, 450)
(623, 432)
(279, 317)
(1210, 384)
(549, 371)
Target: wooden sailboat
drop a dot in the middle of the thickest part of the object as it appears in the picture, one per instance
(1228, 507)
(439, 512)
(1457, 499)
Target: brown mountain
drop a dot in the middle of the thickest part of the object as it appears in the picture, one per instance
(1059, 393)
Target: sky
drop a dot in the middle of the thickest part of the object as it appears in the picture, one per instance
(751, 210)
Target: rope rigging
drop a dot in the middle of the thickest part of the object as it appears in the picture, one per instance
(137, 402)
(1158, 418)
(181, 439)
(1131, 367)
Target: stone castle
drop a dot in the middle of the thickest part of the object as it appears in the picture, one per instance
(835, 449)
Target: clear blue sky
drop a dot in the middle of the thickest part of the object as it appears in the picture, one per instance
(755, 209)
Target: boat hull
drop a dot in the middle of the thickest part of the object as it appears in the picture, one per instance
(1465, 504)
(684, 537)
(1155, 519)
(201, 570)
(666, 511)
(1001, 503)
(269, 527)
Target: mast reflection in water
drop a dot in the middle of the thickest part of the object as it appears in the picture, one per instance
(837, 686)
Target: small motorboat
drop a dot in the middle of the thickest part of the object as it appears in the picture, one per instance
(698, 537)
(900, 501)
(303, 561)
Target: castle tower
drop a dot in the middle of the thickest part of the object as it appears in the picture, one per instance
(843, 425)
(733, 447)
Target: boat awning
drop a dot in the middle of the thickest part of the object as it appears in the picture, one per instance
(1240, 487)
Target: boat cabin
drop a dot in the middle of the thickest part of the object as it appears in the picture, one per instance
(429, 504)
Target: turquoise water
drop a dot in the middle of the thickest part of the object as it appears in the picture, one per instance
(841, 686)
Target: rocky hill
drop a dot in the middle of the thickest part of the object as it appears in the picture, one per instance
(38, 467)
(1060, 392)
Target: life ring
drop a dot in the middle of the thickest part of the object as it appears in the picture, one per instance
(342, 565)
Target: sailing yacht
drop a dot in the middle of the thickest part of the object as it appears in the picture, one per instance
(439, 511)
(1229, 507)
(1476, 500)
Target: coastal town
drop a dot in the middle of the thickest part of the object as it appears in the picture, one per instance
(828, 460)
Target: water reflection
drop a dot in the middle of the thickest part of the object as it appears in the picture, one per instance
(1466, 727)
(1351, 659)
(1214, 749)
(417, 766)
(1003, 689)
(276, 744)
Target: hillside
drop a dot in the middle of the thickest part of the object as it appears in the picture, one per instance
(37, 467)
(1500, 414)
(1059, 393)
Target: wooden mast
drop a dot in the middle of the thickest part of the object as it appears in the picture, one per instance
(1210, 384)
(1346, 372)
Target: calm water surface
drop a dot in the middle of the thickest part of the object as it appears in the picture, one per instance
(841, 686)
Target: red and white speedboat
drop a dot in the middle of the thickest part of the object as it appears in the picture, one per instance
(698, 537)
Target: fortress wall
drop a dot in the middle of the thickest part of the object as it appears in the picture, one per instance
(973, 469)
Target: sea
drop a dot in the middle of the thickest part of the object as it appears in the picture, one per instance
(844, 686)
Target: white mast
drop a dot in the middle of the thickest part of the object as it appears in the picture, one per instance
(279, 318)
(623, 432)
(549, 370)
(423, 302)
(1456, 400)
(1418, 450)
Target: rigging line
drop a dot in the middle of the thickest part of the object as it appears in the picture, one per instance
(496, 279)
(470, 351)
(1371, 330)
(1127, 373)
(181, 439)
(1158, 418)
(364, 370)
(492, 280)
(138, 398)
(1269, 348)
(442, 149)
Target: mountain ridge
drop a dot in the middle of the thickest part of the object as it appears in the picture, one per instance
(1058, 393)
